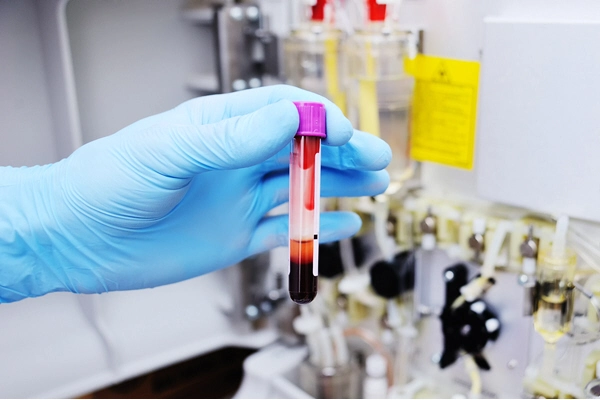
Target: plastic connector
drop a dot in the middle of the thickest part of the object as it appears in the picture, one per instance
(376, 365)
(377, 10)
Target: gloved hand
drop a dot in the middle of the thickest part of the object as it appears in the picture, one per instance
(173, 196)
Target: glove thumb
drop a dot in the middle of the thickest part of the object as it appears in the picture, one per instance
(232, 143)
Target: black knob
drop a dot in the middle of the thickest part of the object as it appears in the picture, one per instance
(330, 260)
(360, 250)
(391, 279)
(467, 327)
(455, 277)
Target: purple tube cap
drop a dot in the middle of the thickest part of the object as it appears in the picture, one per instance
(312, 119)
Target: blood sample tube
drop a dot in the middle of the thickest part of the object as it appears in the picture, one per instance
(305, 190)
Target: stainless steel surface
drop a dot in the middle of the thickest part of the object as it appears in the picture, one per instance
(429, 224)
(529, 247)
(528, 285)
(592, 390)
(247, 52)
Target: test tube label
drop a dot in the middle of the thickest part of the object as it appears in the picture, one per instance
(317, 212)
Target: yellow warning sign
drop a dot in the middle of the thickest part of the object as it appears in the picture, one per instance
(444, 110)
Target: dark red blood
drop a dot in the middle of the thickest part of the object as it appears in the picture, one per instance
(303, 284)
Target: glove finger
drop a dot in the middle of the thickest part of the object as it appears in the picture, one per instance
(212, 109)
(187, 150)
(363, 152)
(334, 183)
(272, 232)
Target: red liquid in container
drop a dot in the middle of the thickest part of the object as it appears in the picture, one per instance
(305, 188)
(305, 168)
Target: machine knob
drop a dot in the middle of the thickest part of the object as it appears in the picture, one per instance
(391, 279)
(330, 260)
(466, 328)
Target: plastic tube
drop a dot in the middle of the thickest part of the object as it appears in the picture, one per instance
(342, 355)
(589, 291)
(342, 17)
(369, 338)
(474, 375)
(406, 338)
(305, 192)
(386, 244)
(548, 358)
(375, 385)
(353, 281)
(346, 250)
(396, 9)
(359, 7)
(585, 249)
(394, 320)
(368, 112)
(559, 244)
(477, 287)
(325, 344)
(492, 253)
(309, 324)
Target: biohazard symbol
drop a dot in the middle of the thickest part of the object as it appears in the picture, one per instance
(441, 73)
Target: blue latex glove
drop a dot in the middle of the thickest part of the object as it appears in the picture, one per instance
(173, 196)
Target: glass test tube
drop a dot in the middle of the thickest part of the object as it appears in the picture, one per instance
(305, 188)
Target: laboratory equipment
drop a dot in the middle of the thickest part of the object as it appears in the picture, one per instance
(379, 90)
(426, 261)
(375, 385)
(333, 382)
(529, 252)
(247, 52)
(467, 327)
(70, 64)
(305, 193)
(552, 312)
(477, 240)
(312, 54)
(394, 278)
(592, 389)
(394, 282)
(553, 306)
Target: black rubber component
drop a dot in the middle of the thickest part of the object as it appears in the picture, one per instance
(330, 260)
(467, 327)
(391, 279)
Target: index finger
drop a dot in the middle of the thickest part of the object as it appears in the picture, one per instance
(211, 109)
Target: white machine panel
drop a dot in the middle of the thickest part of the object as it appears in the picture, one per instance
(539, 126)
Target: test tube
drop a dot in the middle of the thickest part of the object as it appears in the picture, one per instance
(305, 190)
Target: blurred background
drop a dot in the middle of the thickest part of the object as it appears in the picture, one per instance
(476, 275)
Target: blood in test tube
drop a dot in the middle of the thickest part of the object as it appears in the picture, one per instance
(305, 188)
